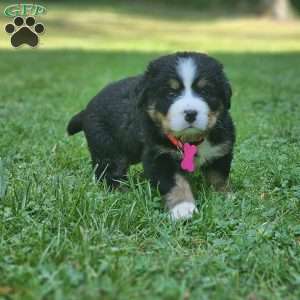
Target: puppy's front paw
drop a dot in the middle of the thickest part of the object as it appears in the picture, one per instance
(183, 210)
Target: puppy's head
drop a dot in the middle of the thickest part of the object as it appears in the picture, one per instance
(184, 93)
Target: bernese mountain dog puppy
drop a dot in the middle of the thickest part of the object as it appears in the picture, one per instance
(174, 118)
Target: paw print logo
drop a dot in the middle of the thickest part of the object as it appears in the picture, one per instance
(24, 31)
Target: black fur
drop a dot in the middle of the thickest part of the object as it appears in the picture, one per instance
(120, 131)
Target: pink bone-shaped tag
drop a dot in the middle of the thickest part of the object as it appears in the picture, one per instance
(189, 152)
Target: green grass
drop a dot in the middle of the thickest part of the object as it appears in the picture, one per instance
(64, 237)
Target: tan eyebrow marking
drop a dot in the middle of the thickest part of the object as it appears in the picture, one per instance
(202, 83)
(174, 84)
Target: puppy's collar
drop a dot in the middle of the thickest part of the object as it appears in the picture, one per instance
(188, 152)
(179, 144)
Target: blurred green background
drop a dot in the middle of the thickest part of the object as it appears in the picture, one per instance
(232, 26)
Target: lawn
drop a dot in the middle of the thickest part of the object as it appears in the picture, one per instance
(64, 237)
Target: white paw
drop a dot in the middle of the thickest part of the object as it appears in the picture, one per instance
(183, 210)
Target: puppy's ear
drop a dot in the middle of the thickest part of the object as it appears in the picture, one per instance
(226, 89)
(227, 93)
(140, 92)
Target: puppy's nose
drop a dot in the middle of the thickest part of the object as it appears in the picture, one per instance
(190, 115)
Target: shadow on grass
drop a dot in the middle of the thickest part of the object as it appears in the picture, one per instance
(88, 66)
(130, 62)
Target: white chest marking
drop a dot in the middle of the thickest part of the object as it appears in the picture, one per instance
(208, 152)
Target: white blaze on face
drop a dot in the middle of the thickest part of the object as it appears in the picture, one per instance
(187, 101)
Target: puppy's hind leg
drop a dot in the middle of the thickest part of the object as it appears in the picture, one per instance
(113, 169)
(217, 173)
(107, 162)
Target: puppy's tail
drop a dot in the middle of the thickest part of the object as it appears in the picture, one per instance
(75, 124)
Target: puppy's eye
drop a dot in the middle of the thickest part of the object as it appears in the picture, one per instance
(174, 84)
